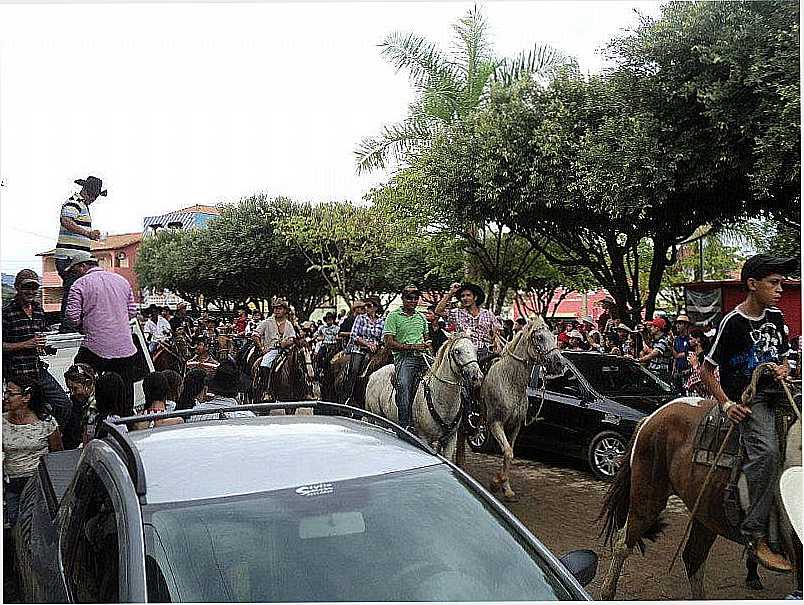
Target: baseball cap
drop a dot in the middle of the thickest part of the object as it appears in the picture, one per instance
(26, 276)
(762, 265)
(658, 322)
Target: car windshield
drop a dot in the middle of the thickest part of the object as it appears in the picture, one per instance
(614, 376)
(409, 536)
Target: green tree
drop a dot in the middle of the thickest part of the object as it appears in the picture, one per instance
(448, 85)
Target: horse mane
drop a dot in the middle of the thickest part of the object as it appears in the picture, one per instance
(439, 358)
(514, 342)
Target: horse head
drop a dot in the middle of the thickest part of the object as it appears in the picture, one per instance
(461, 354)
(541, 346)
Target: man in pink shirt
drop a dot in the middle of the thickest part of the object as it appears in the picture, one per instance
(101, 303)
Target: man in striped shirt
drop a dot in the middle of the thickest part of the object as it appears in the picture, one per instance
(75, 235)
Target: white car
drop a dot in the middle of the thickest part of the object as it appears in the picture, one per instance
(67, 346)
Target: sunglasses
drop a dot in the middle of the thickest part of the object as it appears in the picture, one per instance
(29, 288)
(411, 297)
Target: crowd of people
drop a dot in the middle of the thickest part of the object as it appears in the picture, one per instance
(40, 417)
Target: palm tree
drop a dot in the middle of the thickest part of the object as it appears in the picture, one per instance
(448, 86)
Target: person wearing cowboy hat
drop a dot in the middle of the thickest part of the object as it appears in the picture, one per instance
(203, 358)
(75, 235)
(625, 339)
(358, 308)
(101, 303)
(24, 341)
(275, 334)
(365, 340)
(481, 324)
(681, 347)
(576, 341)
(405, 333)
(327, 335)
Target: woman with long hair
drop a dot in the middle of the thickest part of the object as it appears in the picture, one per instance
(699, 346)
(110, 402)
(29, 433)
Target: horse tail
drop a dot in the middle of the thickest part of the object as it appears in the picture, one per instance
(617, 504)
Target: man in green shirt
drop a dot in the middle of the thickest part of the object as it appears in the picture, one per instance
(404, 334)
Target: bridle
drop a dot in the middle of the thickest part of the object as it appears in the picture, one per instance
(539, 358)
(454, 362)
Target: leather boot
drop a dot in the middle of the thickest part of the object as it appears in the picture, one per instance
(769, 559)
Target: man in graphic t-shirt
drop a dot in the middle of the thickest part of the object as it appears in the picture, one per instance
(752, 334)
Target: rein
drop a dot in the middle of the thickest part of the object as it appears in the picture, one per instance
(450, 360)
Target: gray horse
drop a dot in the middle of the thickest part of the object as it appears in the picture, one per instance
(455, 362)
(503, 393)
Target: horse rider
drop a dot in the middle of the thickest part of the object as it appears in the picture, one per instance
(182, 320)
(480, 324)
(275, 334)
(157, 328)
(358, 308)
(752, 334)
(327, 335)
(404, 333)
(367, 334)
(202, 358)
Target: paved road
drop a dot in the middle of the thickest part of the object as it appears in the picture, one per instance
(559, 503)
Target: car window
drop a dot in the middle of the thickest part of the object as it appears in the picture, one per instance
(411, 536)
(91, 544)
(618, 376)
(566, 383)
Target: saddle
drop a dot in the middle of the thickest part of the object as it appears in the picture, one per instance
(709, 437)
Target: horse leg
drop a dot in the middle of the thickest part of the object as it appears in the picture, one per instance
(752, 579)
(501, 478)
(449, 447)
(508, 493)
(695, 553)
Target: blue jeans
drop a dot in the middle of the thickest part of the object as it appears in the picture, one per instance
(55, 397)
(408, 369)
(762, 460)
(12, 489)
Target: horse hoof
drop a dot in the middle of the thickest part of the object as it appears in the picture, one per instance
(754, 585)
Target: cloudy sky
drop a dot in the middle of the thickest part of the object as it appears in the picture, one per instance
(185, 103)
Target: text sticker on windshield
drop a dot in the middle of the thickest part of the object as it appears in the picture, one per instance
(317, 489)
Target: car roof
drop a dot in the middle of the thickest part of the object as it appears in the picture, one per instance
(217, 458)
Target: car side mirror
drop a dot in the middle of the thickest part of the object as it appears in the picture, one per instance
(582, 564)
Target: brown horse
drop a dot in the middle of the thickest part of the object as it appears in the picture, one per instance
(291, 378)
(335, 378)
(661, 464)
(168, 356)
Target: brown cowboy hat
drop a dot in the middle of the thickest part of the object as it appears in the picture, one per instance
(281, 302)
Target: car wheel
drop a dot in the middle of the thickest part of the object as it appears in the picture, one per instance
(606, 451)
(479, 436)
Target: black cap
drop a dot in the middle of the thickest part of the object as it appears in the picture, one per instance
(762, 265)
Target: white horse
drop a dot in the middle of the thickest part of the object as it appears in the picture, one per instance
(436, 408)
(504, 395)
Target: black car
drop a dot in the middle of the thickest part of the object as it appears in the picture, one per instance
(589, 412)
